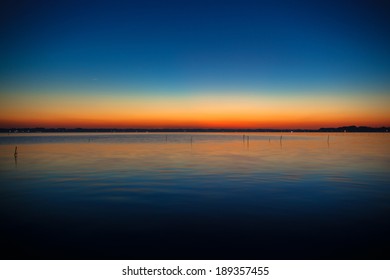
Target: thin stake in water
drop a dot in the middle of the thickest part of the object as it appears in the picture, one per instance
(16, 151)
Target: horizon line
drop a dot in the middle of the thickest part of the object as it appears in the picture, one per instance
(184, 129)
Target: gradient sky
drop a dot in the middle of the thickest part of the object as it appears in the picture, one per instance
(160, 64)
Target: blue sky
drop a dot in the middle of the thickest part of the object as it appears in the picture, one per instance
(181, 45)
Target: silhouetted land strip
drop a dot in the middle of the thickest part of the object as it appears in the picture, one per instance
(325, 129)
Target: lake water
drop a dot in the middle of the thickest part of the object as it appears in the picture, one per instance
(195, 196)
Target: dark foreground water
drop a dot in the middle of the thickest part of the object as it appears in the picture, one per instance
(163, 196)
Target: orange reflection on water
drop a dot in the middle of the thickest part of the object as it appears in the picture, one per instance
(292, 155)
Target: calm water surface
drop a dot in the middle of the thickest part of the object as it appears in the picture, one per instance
(206, 196)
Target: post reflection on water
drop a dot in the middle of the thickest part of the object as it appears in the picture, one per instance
(156, 196)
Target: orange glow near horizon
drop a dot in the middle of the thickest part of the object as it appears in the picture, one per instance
(195, 111)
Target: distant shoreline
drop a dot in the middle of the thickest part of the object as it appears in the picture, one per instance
(326, 129)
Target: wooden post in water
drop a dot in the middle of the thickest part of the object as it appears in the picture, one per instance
(280, 141)
(16, 151)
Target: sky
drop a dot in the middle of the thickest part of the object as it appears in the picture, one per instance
(194, 64)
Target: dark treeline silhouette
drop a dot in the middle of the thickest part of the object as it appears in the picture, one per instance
(327, 129)
(355, 129)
